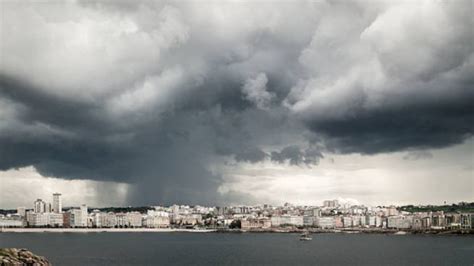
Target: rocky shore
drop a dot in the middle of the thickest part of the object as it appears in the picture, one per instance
(20, 256)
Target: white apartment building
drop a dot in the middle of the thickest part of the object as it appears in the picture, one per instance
(95, 218)
(287, 220)
(157, 219)
(370, 220)
(55, 219)
(57, 203)
(308, 220)
(255, 223)
(37, 219)
(347, 221)
(79, 216)
(21, 211)
(11, 221)
(108, 219)
(399, 222)
(325, 222)
(39, 206)
(134, 219)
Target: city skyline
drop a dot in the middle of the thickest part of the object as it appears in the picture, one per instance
(330, 215)
(144, 102)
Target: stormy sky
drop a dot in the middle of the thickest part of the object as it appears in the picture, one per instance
(236, 102)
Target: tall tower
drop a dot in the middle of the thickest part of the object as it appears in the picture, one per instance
(39, 206)
(84, 214)
(57, 203)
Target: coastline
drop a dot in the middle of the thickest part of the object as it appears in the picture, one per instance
(103, 230)
(272, 230)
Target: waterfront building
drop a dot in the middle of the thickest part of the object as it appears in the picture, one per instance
(108, 220)
(78, 217)
(347, 221)
(84, 215)
(287, 220)
(438, 220)
(121, 220)
(362, 221)
(157, 221)
(379, 221)
(256, 223)
(57, 203)
(95, 218)
(21, 211)
(67, 217)
(399, 222)
(129, 219)
(370, 220)
(11, 221)
(55, 219)
(467, 220)
(39, 206)
(308, 220)
(36, 219)
(453, 220)
(325, 222)
(338, 222)
(417, 223)
(134, 219)
(426, 222)
(190, 219)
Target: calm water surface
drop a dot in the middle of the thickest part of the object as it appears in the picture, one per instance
(243, 249)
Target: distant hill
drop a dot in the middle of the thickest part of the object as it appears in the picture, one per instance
(460, 207)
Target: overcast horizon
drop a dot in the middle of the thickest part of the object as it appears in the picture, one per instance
(235, 102)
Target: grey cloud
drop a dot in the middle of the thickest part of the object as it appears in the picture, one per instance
(395, 130)
(255, 90)
(296, 156)
(251, 155)
(376, 87)
(418, 155)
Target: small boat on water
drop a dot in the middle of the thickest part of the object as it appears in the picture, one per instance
(305, 236)
(400, 233)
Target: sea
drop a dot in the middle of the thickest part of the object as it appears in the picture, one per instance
(178, 248)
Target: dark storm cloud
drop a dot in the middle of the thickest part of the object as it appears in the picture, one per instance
(251, 155)
(394, 130)
(295, 156)
(378, 85)
(156, 94)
